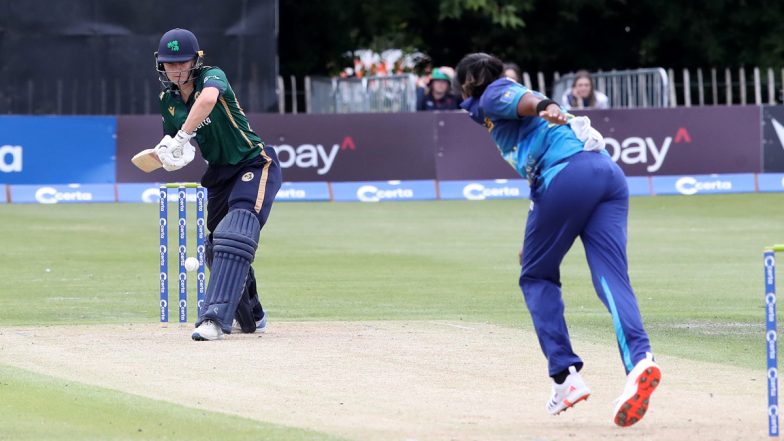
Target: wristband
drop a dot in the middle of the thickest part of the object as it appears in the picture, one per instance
(182, 134)
(542, 105)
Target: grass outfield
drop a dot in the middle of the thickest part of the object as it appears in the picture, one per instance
(695, 263)
(37, 407)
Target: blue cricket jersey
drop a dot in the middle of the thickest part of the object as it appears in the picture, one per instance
(534, 147)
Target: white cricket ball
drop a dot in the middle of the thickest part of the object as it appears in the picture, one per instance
(191, 264)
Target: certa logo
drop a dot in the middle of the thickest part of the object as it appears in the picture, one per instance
(312, 155)
(51, 195)
(636, 150)
(689, 185)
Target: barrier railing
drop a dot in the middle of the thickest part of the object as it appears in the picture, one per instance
(394, 93)
(626, 88)
(629, 88)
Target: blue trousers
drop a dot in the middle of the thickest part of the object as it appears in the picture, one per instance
(252, 186)
(589, 199)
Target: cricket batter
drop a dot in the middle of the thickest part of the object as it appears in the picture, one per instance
(576, 191)
(242, 179)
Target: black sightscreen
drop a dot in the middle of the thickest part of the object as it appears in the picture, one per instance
(96, 56)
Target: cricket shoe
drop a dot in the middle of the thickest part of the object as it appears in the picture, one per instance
(261, 325)
(570, 392)
(631, 406)
(208, 330)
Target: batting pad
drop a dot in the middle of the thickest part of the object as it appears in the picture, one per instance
(249, 307)
(235, 240)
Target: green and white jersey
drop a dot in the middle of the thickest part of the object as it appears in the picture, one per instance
(224, 137)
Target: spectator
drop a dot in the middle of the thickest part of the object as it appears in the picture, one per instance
(423, 67)
(449, 71)
(439, 96)
(512, 70)
(583, 95)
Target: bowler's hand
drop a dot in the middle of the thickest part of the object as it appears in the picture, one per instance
(553, 115)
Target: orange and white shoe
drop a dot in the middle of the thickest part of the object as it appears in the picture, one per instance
(572, 391)
(633, 403)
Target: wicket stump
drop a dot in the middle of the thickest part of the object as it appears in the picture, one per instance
(771, 337)
(182, 278)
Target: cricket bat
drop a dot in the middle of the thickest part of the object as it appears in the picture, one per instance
(146, 160)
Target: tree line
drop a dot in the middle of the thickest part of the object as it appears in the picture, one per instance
(538, 35)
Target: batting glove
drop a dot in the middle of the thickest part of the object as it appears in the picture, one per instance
(174, 156)
(182, 137)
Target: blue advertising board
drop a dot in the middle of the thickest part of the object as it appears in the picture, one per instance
(150, 193)
(62, 194)
(480, 190)
(382, 191)
(289, 191)
(639, 185)
(704, 184)
(57, 149)
(146, 193)
(771, 182)
(515, 188)
(303, 191)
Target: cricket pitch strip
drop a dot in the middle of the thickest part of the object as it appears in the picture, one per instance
(391, 380)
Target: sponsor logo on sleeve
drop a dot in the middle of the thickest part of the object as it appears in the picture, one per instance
(507, 96)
